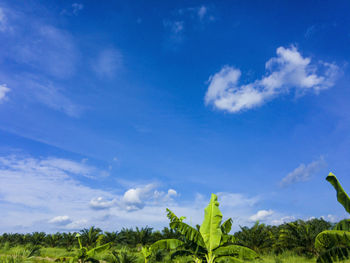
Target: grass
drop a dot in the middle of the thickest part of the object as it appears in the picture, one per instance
(48, 255)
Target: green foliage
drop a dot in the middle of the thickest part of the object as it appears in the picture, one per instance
(91, 237)
(300, 236)
(84, 254)
(122, 256)
(343, 225)
(259, 237)
(211, 227)
(342, 197)
(334, 245)
(211, 243)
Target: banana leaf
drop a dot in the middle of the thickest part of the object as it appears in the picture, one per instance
(334, 254)
(343, 225)
(342, 197)
(211, 226)
(239, 252)
(226, 226)
(332, 238)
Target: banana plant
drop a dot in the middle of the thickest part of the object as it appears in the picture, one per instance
(84, 254)
(164, 244)
(334, 245)
(212, 242)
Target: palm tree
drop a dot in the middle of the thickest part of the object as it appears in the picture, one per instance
(300, 236)
(68, 240)
(53, 239)
(91, 237)
(143, 236)
(110, 237)
(37, 238)
(259, 237)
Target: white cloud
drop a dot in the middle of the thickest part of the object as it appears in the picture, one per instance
(33, 189)
(45, 54)
(303, 172)
(3, 90)
(47, 49)
(171, 192)
(282, 220)
(101, 203)
(202, 11)
(42, 91)
(45, 194)
(108, 62)
(183, 21)
(77, 8)
(236, 200)
(261, 215)
(60, 220)
(289, 70)
(3, 21)
(331, 218)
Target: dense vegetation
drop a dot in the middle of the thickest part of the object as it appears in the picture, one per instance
(297, 237)
(298, 241)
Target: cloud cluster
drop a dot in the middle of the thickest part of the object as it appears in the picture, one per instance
(135, 198)
(77, 7)
(3, 21)
(185, 19)
(3, 90)
(303, 172)
(60, 220)
(108, 62)
(48, 194)
(261, 215)
(289, 70)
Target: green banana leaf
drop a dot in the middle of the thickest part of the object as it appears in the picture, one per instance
(92, 252)
(167, 244)
(239, 252)
(342, 197)
(210, 228)
(334, 254)
(184, 252)
(227, 239)
(188, 232)
(332, 238)
(172, 217)
(65, 259)
(343, 225)
(228, 259)
(226, 226)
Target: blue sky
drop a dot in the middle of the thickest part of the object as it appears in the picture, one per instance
(111, 112)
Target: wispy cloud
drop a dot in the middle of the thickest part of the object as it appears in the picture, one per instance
(77, 7)
(3, 91)
(135, 198)
(303, 172)
(261, 215)
(184, 20)
(60, 220)
(45, 56)
(282, 220)
(108, 62)
(46, 194)
(43, 91)
(73, 10)
(289, 70)
(47, 49)
(3, 21)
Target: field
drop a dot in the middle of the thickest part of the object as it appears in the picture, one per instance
(18, 254)
(298, 241)
(286, 243)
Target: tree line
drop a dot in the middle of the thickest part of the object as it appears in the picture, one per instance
(298, 236)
